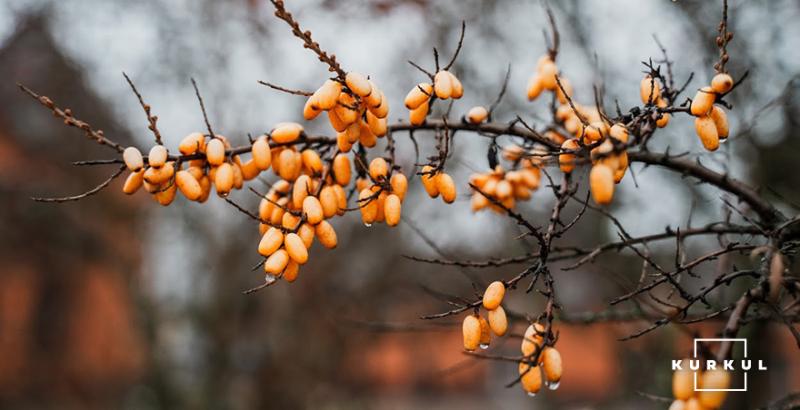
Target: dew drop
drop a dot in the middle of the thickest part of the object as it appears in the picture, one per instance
(553, 385)
(531, 394)
(484, 346)
(368, 225)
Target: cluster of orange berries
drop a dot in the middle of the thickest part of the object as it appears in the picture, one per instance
(445, 85)
(164, 178)
(711, 123)
(506, 187)
(587, 126)
(549, 366)
(686, 398)
(380, 197)
(476, 330)
(650, 93)
(357, 110)
(437, 182)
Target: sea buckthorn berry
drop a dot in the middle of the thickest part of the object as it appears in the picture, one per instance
(166, 196)
(707, 131)
(548, 71)
(285, 133)
(601, 182)
(566, 161)
(188, 186)
(392, 208)
(311, 109)
(375, 98)
(493, 296)
(215, 152)
(368, 203)
(337, 123)
(249, 170)
(486, 332)
(649, 90)
(722, 83)
(192, 143)
(159, 175)
(421, 93)
(713, 379)
(133, 182)
(327, 96)
(358, 84)
(262, 155)
(290, 221)
(133, 158)
(328, 201)
(399, 184)
(313, 210)
(376, 125)
(458, 88)
(157, 156)
(702, 102)
(619, 132)
(378, 169)
(720, 121)
(276, 263)
(290, 272)
(550, 360)
(417, 115)
(223, 179)
(270, 242)
(532, 339)
(443, 85)
(300, 190)
(530, 378)
(498, 321)
(429, 181)
(535, 87)
(296, 248)
(477, 115)
(471, 332)
(326, 234)
(446, 187)
(341, 169)
(290, 164)
(382, 110)
(306, 233)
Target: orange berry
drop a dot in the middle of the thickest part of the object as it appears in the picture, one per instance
(133, 158)
(702, 102)
(391, 209)
(446, 187)
(601, 183)
(358, 84)
(276, 263)
(133, 182)
(215, 152)
(471, 332)
(313, 210)
(326, 234)
(190, 187)
(157, 156)
(722, 83)
(296, 248)
(707, 131)
(493, 296)
(498, 321)
(418, 95)
(341, 169)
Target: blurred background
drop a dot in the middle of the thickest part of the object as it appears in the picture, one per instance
(116, 302)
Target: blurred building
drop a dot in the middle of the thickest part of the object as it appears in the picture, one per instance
(67, 316)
